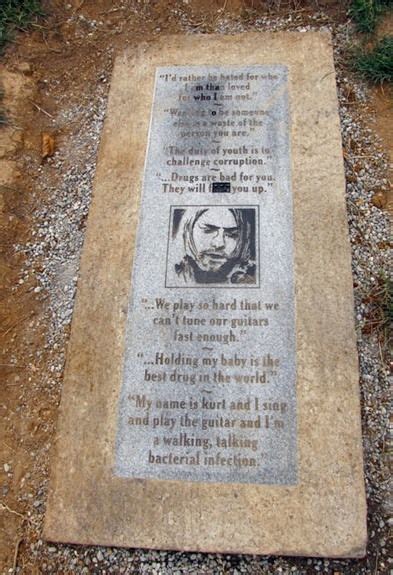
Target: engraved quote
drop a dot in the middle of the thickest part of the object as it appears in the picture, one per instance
(209, 382)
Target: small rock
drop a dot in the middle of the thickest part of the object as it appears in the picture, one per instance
(25, 68)
(7, 467)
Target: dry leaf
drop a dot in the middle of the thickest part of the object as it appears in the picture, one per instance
(379, 200)
(350, 93)
(47, 145)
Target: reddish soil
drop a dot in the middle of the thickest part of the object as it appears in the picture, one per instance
(382, 105)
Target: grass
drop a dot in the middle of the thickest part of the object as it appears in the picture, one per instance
(17, 15)
(376, 65)
(366, 13)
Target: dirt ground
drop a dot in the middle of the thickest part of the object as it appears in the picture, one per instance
(46, 73)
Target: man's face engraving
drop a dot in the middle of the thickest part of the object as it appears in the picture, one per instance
(215, 236)
(213, 245)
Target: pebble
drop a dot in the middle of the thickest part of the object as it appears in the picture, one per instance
(25, 68)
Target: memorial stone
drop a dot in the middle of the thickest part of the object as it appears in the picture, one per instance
(217, 410)
(209, 380)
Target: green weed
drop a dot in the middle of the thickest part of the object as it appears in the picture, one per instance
(377, 64)
(17, 15)
(365, 13)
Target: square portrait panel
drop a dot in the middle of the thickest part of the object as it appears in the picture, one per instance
(213, 246)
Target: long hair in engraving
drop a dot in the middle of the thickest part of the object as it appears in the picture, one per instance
(213, 245)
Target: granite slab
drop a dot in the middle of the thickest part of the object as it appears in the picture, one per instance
(211, 397)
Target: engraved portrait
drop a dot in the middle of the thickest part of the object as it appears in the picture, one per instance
(212, 245)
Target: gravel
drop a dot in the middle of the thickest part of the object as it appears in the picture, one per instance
(53, 258)
(59, 233)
